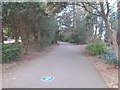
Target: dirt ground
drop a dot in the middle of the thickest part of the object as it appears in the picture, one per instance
(108, 72)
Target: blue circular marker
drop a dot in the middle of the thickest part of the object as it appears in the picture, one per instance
(47, 78)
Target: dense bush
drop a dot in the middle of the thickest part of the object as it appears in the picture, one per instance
(109, 57)
(97, 47)
(63, 37)
(11, 51)
(77, 36)
(60, 37)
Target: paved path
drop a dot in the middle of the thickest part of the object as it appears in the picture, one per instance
(65, 62)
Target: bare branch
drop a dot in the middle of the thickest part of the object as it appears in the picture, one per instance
(102, 8)
(84, 6)
(91, 6)
(108, 10)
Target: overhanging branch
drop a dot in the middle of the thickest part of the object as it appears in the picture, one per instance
(84, 6)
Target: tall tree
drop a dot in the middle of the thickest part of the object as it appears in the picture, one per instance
(102, 9)
(118, 32)
(1, 31)
(30, 22)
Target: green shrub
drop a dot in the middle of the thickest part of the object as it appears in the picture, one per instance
(97, 47)
(11, 52)
(110, 58)
(79, 36)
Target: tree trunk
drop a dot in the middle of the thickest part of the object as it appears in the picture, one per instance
(35, 36)
(112, 37)
(95, 35)
(118, 41)
(16, 37)
(118, 32)
(2, 36)
(1, 33)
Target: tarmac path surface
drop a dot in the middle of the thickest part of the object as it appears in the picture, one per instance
(65, 63)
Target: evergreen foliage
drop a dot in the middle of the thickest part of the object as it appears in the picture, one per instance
(30, 22)
(11, 52)
(109, 58)
(97, 47)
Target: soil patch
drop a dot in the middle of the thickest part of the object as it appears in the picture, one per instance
(107, 71)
